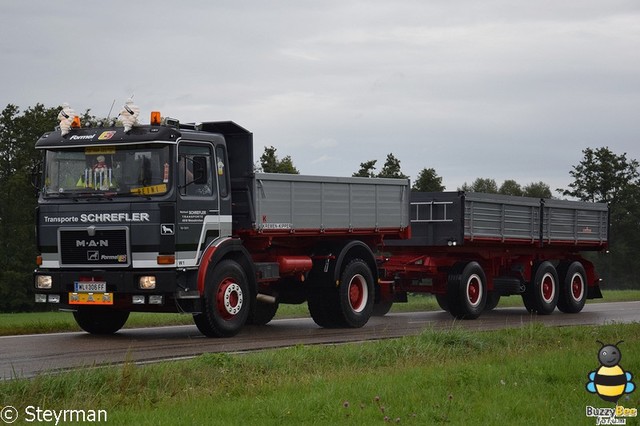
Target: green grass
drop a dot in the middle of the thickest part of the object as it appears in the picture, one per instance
(531, 375)
(51, 322)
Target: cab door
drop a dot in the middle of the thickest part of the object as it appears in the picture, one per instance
(198, 201)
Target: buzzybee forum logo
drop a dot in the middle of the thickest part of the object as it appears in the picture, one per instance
(610, 381)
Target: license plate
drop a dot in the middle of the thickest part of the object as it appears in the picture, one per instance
(91, 298)
(90, 286)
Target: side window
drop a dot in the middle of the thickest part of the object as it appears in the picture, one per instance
(221, 171)
(195, 172)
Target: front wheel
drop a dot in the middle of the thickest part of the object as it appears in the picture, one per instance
(100, 321)
(226, 301)
(466, 290)
(541, 294)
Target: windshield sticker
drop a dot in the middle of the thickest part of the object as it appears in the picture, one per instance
(95, 150)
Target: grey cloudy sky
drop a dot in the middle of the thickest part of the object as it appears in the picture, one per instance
(503, 89)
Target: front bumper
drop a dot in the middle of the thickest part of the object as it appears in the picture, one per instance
(121, 290)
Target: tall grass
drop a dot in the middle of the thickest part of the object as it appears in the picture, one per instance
(531, 375)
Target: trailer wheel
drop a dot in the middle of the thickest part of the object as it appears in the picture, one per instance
(100, 321)
(541, 295)
(493, 299)
(263, 313)
(225, 301)
(573, 287)
(466, 290)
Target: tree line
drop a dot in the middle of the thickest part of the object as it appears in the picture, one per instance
(601, 176)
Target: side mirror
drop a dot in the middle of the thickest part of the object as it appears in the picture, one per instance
(36, 176)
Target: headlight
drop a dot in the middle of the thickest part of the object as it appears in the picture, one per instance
(43, 281)
(147, 282)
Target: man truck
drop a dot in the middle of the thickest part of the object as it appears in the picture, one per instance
(173, 217)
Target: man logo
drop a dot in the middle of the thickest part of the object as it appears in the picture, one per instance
(93, 255)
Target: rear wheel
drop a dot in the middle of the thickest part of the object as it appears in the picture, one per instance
(381, 309)
(322, 302)
(100, 321)
(263, 313)
(466, 290)
(573, 287)
(225, 301)
(349, 304)
(541, 294)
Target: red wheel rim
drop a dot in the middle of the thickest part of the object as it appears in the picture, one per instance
(577, 287)
(474, 290)
(358, 293)
(548, 288)
(229, 299)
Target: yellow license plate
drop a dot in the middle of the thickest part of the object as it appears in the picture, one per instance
(91, 298)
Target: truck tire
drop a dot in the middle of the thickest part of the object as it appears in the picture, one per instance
(541, 294)
(225, 304)
(442, 302)
(100, 321)
(466, 290)
(381, 309)
(493, 299)
(263, 313)
(573, 287)
(356, 293)
(349, 304)
(322, 302)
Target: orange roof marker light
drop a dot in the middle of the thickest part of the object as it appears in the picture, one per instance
(76, 122)
(155, 118)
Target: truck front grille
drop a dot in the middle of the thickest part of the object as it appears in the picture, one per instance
(94, 246)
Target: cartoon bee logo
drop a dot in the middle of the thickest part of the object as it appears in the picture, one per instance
(610, 381)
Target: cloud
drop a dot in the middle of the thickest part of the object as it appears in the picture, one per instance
(499, 89)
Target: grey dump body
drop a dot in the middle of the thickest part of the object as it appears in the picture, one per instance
(452, 218)
(296, 203)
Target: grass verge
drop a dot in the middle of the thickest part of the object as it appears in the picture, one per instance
(51, 322)
(531, 375)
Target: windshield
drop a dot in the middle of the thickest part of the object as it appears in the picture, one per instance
(121, 170)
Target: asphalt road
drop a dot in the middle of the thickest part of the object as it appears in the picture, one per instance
(27, 356)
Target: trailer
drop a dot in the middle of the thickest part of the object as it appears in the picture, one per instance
(172, 217)
(469, 249)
